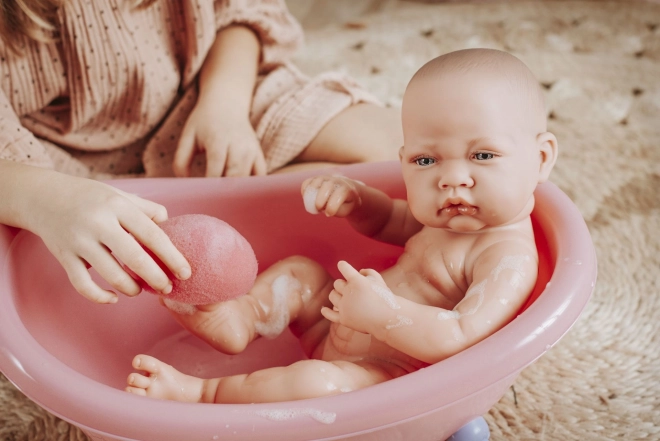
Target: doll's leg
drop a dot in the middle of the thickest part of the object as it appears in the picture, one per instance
(301, 380)
(361, 133)
(290, 292)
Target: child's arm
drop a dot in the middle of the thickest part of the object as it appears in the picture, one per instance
(503, 277)
(219, 124)
(87, 223)
(369, 211)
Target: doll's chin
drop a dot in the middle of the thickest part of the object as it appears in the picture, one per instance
(463, 223)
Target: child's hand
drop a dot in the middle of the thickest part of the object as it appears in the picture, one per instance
(231, 146)
(362, 302)
(332, 195)
(87, 223)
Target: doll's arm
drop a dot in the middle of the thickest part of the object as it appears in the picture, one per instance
(370, 211)
(503, 277)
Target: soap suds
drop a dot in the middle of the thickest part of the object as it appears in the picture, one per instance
(278, 317)
(386, 295)
(402, 320)
(289, 414)
(309, 199)
(510, 262)
(179, 307)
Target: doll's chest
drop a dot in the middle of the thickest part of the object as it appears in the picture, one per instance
(436, 261)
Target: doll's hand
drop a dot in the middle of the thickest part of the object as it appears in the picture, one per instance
(87, 223)
(231, 146)
(331, 195)
(362, 301)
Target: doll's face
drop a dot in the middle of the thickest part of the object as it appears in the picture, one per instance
(472, 155)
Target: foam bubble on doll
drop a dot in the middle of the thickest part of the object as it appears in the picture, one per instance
(222, 261)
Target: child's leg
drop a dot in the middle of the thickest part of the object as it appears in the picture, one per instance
(301, 380)
(290, 292)
(361, 133)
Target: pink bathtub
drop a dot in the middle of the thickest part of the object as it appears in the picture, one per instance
(72, 357)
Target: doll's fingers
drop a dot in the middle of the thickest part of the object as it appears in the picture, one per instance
(111, 271)
(371, 274)
(341, 202)
(82, 282)
(184, 153)
(339, 284)
(347, 270)
(334, 297)
(155, 240)
(310, 190)
(323, 195)
(331, 315)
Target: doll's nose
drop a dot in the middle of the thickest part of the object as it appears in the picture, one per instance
(455, 175)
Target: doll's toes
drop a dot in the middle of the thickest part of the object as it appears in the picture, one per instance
(136, 391)
(139, 381)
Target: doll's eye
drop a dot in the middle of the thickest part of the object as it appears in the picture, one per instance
(482, 156)
(424, 161)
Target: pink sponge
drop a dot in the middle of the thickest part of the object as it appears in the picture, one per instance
(222, 261)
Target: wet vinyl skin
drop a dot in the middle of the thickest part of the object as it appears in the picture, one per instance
(71, 356)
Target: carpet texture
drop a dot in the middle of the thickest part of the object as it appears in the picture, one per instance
(599, 63)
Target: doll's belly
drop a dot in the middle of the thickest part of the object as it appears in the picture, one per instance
(343, 343)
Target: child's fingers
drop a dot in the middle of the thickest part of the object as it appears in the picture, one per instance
(140, 262)
(217, 160)
(347, 270)
(241, 156)
(153, 238)
(154, 211)
(82, 281)
(184, 153)
(259, 168)
(331, 315)
(111, 271)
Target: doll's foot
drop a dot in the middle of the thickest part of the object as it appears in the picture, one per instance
(227, 326)
(162, 381)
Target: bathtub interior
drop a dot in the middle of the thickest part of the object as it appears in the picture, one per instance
(98, 342)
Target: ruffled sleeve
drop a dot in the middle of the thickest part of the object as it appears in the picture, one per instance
(16, 142)
(280, 34)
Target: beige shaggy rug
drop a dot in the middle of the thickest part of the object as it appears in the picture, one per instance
(600, 65)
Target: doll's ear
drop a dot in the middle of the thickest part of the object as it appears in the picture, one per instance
(548, 150)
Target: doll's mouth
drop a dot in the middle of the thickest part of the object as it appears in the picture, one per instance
(456, 209)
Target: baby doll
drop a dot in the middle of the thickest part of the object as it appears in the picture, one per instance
(475, 147)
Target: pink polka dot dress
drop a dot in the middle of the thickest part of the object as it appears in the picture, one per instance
(111, 94)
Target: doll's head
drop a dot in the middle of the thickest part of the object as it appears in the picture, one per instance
(475, 140)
